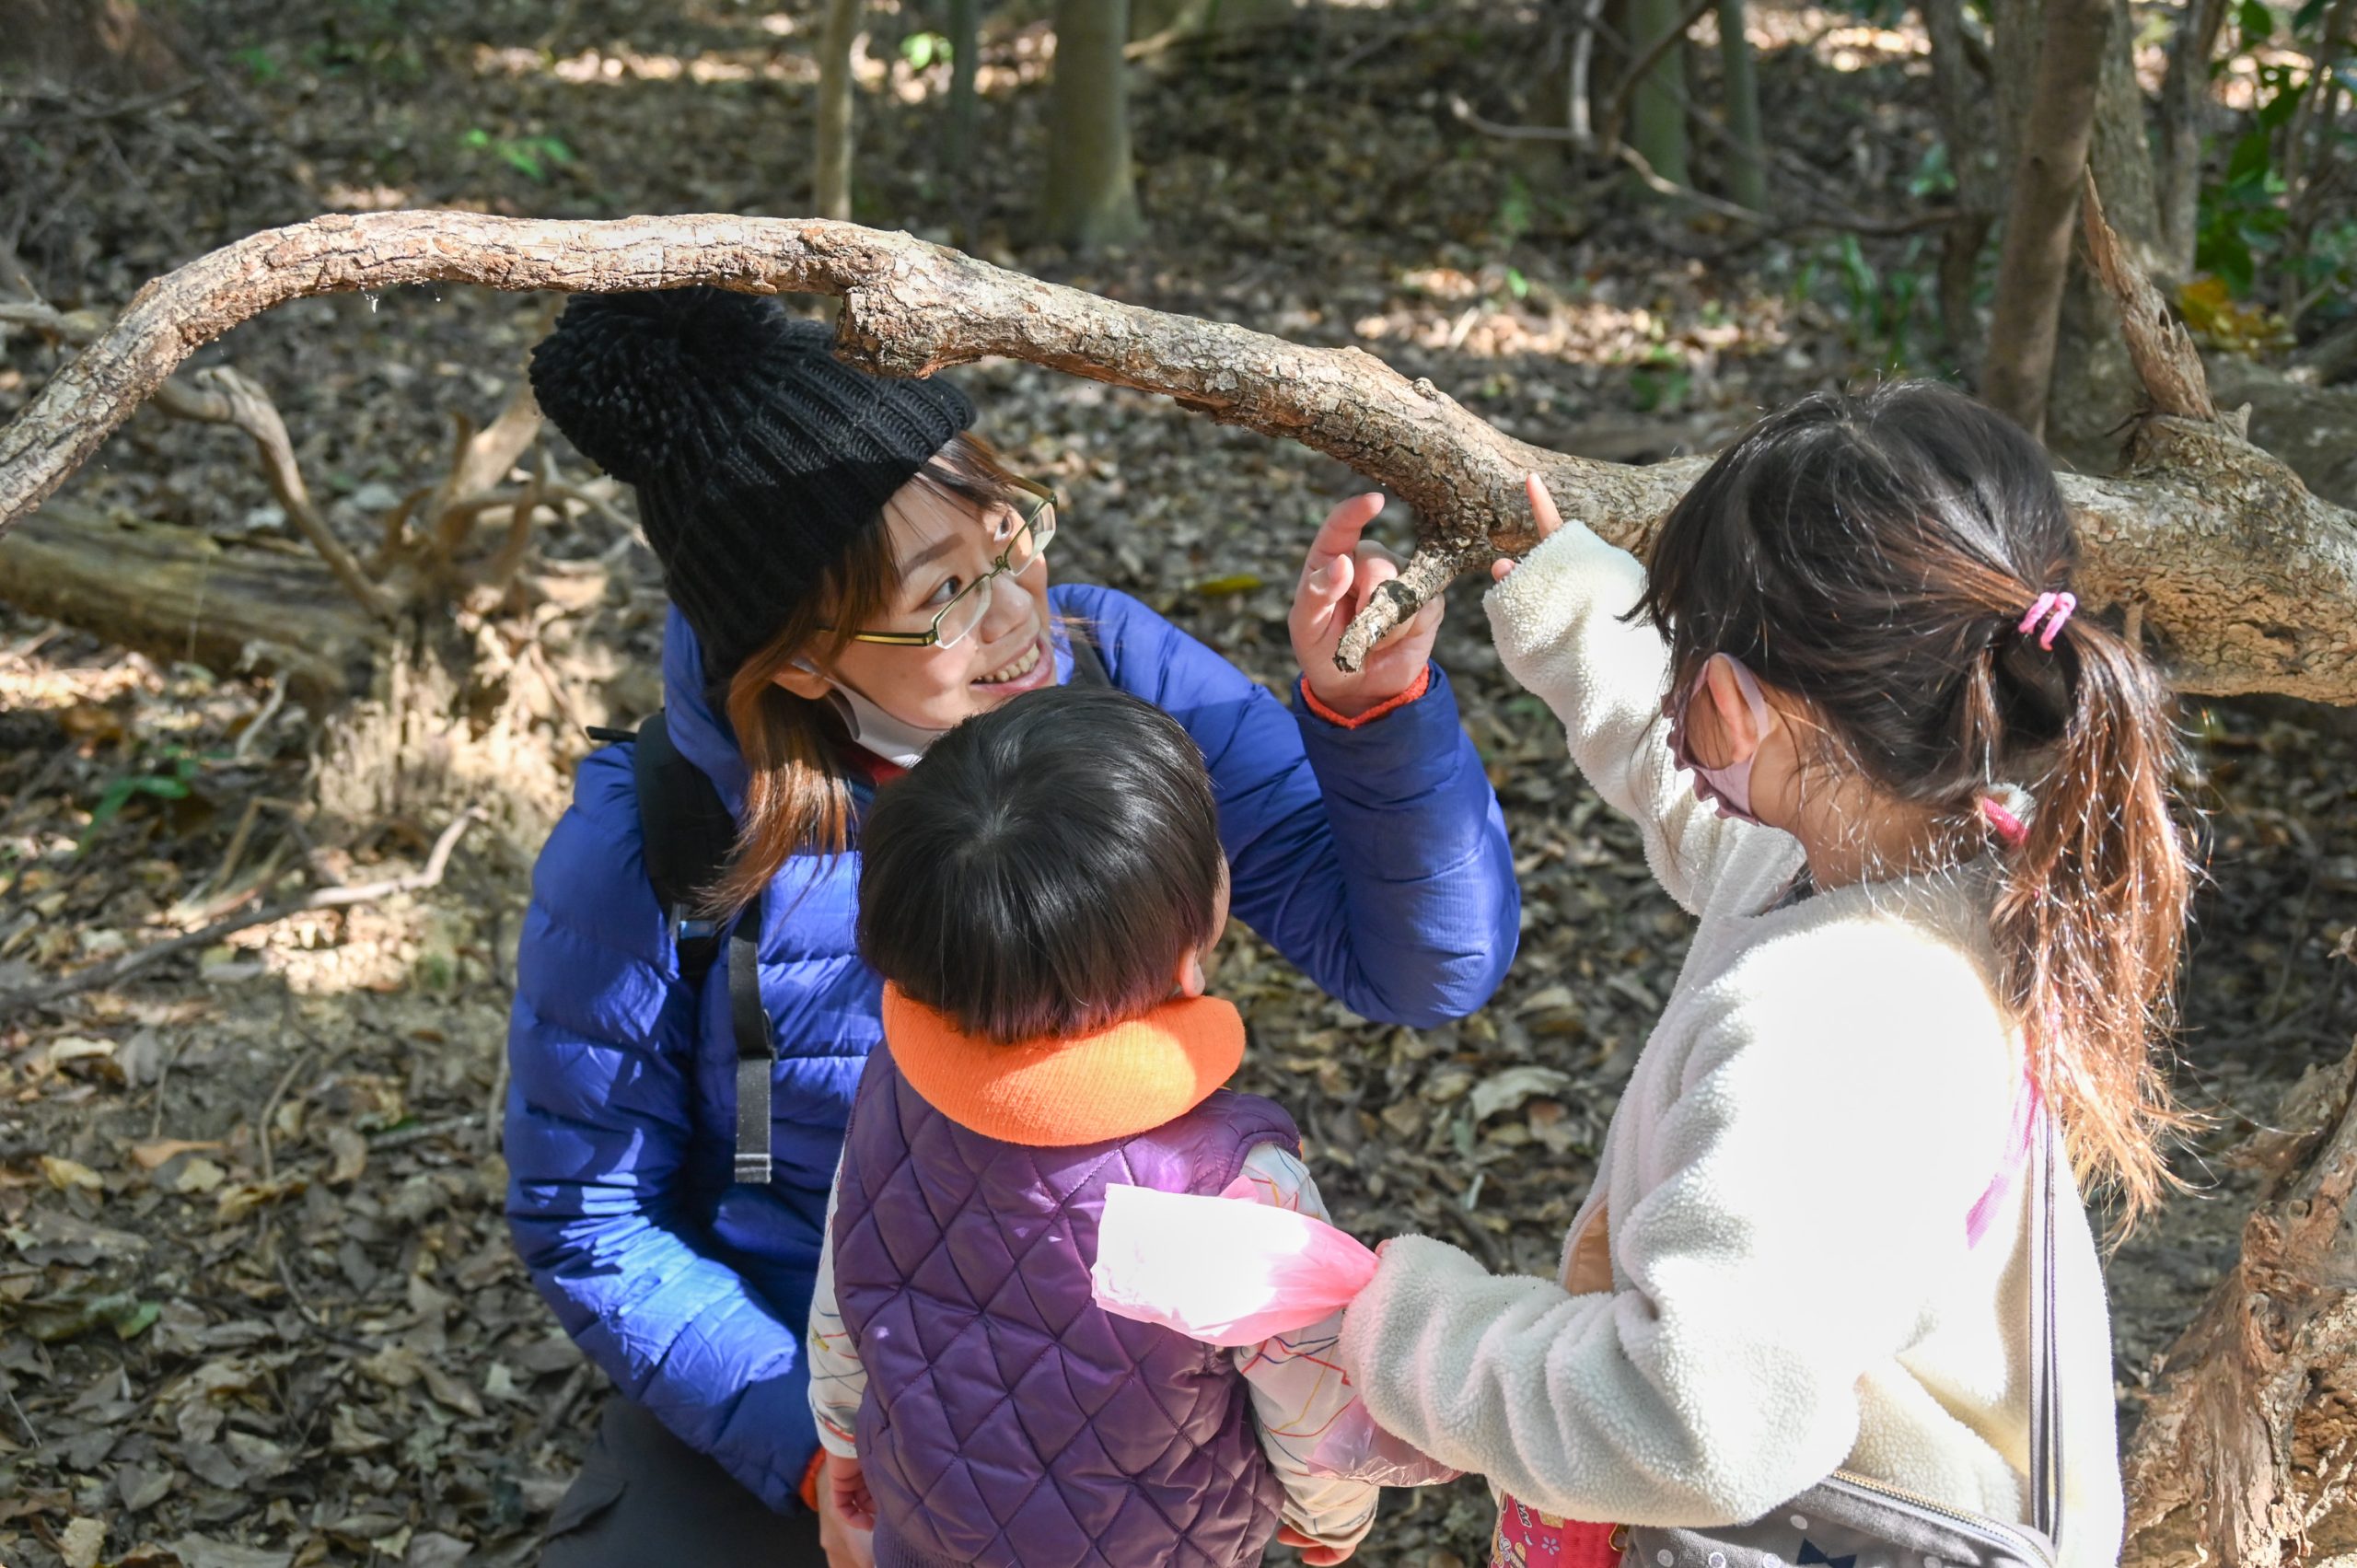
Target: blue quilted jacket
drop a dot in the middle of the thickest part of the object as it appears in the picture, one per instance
(1374, 858)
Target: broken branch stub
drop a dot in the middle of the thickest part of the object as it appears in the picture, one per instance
(2244, 603)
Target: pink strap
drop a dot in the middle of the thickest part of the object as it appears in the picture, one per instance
(1983, 1213)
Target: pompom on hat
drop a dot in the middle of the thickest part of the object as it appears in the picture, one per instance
(757, 457)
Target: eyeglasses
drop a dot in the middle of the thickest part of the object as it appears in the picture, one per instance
(1027, 539)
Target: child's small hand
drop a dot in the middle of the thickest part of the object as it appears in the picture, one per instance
(1545, 520)
(1317, 1553)
(846, 1514)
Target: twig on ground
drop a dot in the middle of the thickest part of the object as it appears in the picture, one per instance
(270, 1107)
(261, 721)
(14, 1002)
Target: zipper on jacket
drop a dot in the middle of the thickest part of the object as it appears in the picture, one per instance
(2026, 1545)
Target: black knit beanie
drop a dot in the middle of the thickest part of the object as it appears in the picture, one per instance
(757, 457)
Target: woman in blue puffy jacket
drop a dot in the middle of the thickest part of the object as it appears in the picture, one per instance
(851, 574)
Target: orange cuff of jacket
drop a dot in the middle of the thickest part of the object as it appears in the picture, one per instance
(809, 1489)
(1407, 695)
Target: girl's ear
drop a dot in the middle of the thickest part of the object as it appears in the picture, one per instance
(802, 678)
(1737, 729)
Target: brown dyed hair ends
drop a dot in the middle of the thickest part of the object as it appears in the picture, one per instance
(1873, 556)
(798, 798)
(1040, 873)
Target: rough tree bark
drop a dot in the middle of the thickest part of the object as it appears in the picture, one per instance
(1090, 199)
(831, 173)
(2250, 581)
(2035, 262)
(2244, 1457)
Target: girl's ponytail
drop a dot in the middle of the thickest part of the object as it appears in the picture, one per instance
(2092, 915)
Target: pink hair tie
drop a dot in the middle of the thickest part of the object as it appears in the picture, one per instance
(2055, 609)
(2004, 823)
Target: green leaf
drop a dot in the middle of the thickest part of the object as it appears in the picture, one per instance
(2257, 22)
(922, 50)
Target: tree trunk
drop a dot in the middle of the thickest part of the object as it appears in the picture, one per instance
(1748, 159)
(2035, 263)
(2243, 1456)
(2093, 389)
(1090, 202)
(2184, 119)
(833, 174)
(106, 44)
(1657, 104)
(1960, 99)
(965, 58)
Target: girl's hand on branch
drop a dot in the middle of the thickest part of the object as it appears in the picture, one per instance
(1543, 516)
(1341, 571)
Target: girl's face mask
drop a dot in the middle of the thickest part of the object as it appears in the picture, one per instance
(1728, 788)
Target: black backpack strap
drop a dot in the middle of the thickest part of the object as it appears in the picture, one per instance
(756, 1047)
(1087, 664)
(686, 832)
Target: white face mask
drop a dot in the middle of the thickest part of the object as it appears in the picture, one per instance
(895, 740)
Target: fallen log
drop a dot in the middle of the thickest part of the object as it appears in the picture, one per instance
(179, 593)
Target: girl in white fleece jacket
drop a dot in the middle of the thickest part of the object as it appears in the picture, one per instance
(1920, 811)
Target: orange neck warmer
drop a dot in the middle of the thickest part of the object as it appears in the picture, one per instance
(1080, 1089)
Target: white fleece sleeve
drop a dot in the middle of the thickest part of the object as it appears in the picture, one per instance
(1558, 623)
(1773, 1233)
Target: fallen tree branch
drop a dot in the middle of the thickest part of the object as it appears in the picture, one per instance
(2251, 582)
(342, 896)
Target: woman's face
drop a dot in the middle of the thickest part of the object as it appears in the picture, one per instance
(941, 542)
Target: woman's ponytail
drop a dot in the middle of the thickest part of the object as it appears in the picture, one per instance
(2092, 916)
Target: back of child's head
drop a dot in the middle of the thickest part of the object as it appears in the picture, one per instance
(1880, 557)
(1045, 867)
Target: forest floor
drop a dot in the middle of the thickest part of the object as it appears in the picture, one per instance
(257, 1306)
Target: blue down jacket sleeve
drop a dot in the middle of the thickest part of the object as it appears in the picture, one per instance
(1374, 858)
(600, 1047)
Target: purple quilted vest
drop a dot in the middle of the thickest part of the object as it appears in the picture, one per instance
(1009, 1423)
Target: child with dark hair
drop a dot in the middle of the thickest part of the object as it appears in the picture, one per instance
(1920, 809)
(1041, 894)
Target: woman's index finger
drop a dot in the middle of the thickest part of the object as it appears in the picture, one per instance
(1338, 534)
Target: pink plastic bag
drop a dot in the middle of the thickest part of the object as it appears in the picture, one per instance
(1231, 1270)
(1227, 1270)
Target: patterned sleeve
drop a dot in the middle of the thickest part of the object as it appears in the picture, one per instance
(838, 1381)
(1298, 1387)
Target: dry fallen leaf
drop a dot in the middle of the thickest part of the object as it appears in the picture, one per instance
(199, 1175)
(157, 1151)
(80, 1542)
(65, 1173)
